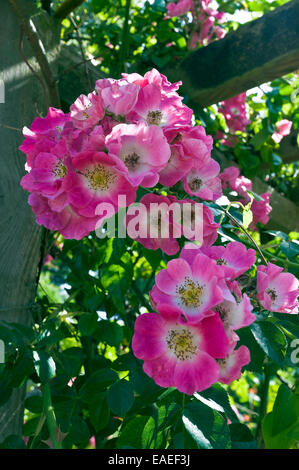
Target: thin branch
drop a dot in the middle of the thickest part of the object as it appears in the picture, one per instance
(81, 49)
(38, 50)
(77, 64)
(66, 8)
(10, 127)
(125, 37)
(248, 235)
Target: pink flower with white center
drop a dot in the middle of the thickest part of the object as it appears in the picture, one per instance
(260, 210)
(192, 288)
(176, 168)
(158, 220)
(234, 258)
(237, 314)
(179, 9)
(48, 172)
(154, 108)
(87, 111)
(190, 251)
(277, 291)
(96, 179)
(231, 366)
(283, 128)
(202, 181)
(84, 140)
(142, 150)
(229, 176)
(153, 77)
(242, 186)
(43, 133)
(178, 354)
(119, 97)
(187, 144)
(66, 220)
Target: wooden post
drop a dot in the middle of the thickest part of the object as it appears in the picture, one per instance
(20, 236)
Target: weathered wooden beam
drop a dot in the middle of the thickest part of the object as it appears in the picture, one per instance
(257, 52)
(289, 150)
(66, 8)
(285, 213)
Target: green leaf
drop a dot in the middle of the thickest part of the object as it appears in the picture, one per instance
(13, 442)
(285, 410)
(21, 369)
(88, 323)
(79, 431)
(98, 411)
(131, 435)
(257, 354)
(120, 397)
(97, 382)
(70, 362)
(44, 366)
(34, 404)
(216, 397)
(241, 437)
(109, 332)
(271, 339)
(206, 426)
(247, 217)
(290, 249)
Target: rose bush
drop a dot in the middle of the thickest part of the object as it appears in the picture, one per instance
(154, 341)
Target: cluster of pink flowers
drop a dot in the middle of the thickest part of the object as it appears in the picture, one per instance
(234, 111)
(191, 342)
(127, 133)
(168, 242)
(206, 22)
(261, 208)
(137, 132)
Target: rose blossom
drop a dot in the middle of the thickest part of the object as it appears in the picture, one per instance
(192, 288)
(96, 178)
(202, 181)
(189, 146)
(234, 258)
(277, 291)
(43, 133)
(230, 367)
(87, 111)
(142, 150)
(178, 354)
(58, 215)
(119, 96)
(260, 210)
(236, 314)
(283, 128)
(168, 245)
(156, 108)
